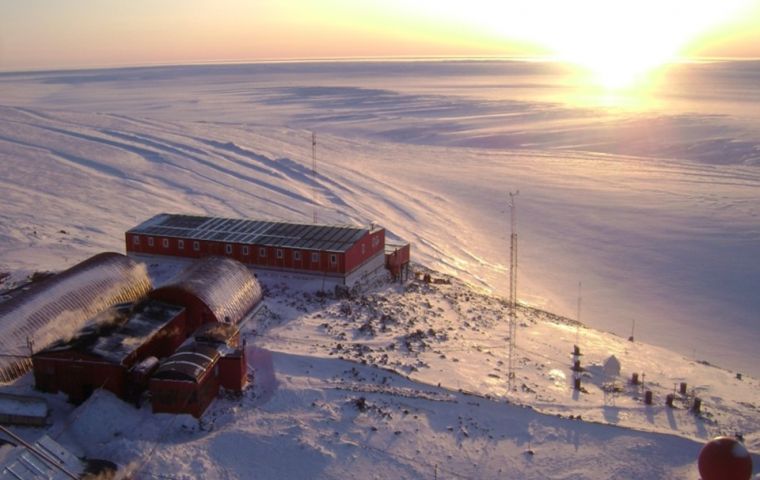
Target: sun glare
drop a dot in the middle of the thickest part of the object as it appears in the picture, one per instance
(621, 43)
(620, 61)
(619, 46)
(618, 43)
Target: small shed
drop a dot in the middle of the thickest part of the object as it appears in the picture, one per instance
(397, 260)
(23, 410)
(189, 380)
(233, 368)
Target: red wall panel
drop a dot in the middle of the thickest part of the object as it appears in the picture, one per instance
(366, 248)
(233, 371)
(344, 262)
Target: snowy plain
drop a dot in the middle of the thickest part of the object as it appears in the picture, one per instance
(654, 207)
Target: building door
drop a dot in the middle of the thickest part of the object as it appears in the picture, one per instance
(73, 384)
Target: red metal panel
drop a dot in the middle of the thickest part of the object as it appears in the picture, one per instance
(131, 246)
(298, 263)
(233, 372)
(398, 257)
(197, 312)
(171, 396)
(174, 396)
(77, 375)
(288, 260)
(367, 247)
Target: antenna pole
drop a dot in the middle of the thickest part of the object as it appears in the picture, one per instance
(633, 329)
(512, 289)
(314, 172)
(578, 317)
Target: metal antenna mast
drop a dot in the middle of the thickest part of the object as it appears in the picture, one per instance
(578, 318)
(512, 288)
(314, 172)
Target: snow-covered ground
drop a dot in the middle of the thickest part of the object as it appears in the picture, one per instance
(409, 382)
(654, 205)
(655, 210)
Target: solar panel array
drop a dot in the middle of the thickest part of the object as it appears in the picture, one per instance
(253, 232)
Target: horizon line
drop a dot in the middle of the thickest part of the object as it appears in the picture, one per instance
(341, 59)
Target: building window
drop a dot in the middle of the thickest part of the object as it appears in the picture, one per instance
(315, 257)
(297, 256)
(375, 241)
(197, 246)
(136, 240)
(280, 255)
(165, 242)
(364, 248)
(245, 250)
(228, 249)
(150, 241)
(333, 259)
(181, 244)
(262, 252)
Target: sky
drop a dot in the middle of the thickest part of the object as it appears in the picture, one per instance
(44, 34)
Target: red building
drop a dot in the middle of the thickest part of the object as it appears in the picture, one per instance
(214, 289)
(35, 317)
(397, 261)
(189, 380)
(120, 348)
(105, 353)
(233, 368)
(345, 253)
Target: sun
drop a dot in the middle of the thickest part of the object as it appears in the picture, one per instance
(620, 63)
(619, 43)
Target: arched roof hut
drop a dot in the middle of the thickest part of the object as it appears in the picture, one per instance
(60, 305)
(213, 289)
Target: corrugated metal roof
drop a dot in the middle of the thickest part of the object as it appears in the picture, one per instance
(332, 238)
(225, 286)
(20, 462)
(189, 363)
(60, 305)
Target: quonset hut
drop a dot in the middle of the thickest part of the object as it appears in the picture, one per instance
(214, 289)
(120, 348)
(189, 380)
(340, 252)
(60, 305)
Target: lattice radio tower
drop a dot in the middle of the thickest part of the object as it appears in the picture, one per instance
(512, 289)
(314, 172)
